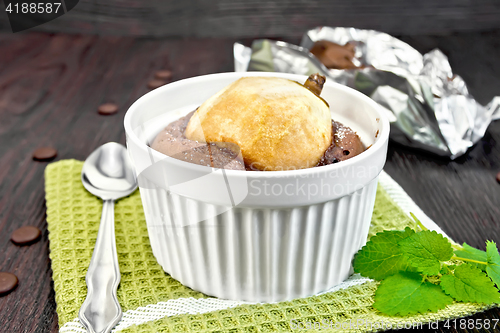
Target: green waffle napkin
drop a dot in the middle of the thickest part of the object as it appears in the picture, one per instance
(73, 217)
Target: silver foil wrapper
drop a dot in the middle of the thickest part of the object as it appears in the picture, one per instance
(428, 106)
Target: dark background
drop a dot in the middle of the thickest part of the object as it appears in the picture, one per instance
(53, 78)
(283, 18)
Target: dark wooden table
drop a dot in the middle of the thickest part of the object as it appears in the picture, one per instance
(51, 86)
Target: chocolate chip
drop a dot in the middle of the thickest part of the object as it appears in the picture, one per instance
(44, 154)
(333, 55)
(155, 83)
(107, 109)
(163, 74)
(8, 282)
(346, 152)
(26, 235)
(498, 177)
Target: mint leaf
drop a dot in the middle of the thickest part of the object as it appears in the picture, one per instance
(493, 259)
(469, 284)
(405, 293)
(381, 256)
(469, 252)
(425, 249)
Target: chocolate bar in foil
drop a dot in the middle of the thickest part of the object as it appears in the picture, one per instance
(428, 106)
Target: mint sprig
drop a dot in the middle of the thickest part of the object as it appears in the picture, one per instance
(414, 274)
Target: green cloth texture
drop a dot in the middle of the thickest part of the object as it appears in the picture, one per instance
(73, 216)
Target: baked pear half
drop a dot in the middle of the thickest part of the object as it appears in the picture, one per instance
(278, 124)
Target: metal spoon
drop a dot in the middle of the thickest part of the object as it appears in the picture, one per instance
(108, 174)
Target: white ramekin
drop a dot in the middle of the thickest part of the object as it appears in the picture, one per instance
(249, 235)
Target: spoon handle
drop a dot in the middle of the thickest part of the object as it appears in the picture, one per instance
(101, 311)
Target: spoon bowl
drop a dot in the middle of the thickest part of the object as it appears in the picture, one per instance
(108, 174)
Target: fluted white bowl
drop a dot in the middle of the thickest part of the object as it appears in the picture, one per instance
(252, 235)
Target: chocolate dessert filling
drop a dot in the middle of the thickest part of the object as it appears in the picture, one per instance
(172, 142)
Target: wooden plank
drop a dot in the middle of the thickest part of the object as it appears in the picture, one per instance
(288, 18)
